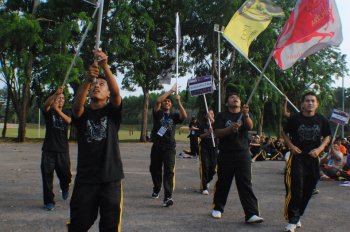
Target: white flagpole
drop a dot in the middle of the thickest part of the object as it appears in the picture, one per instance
(262, 74)
(87, 29)
(99, 24)
(177, 50)
(335, 134)
(206, 108)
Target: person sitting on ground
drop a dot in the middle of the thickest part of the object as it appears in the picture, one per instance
(344, 142)
(332, 164)
(278, 149)
(342, 148)
(267, 146)
(258, 154)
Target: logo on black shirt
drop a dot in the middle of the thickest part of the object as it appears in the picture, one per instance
(96, 131)
(228, 123)
(309, 133)
(58, 123)
(167, 123)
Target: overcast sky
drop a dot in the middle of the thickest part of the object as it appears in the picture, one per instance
(343, 8)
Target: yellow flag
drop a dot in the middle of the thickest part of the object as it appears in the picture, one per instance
(249, 21)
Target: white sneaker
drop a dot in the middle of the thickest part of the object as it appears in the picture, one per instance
(255, 219)
(290, 227)
(216, 214)
(298, 224)
(205, 192)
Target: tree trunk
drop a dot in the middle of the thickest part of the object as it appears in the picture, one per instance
(260, 124)
(143, 136)
(22, 117)
(7, 111)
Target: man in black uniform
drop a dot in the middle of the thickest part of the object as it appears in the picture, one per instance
(98, 184)
(193, 127)
(207, 153)
(55, 155)
(163, 149)
(234, 159)
(306, 134)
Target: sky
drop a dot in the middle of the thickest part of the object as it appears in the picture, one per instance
(343, 9)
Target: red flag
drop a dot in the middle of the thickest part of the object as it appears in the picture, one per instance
(312, 25)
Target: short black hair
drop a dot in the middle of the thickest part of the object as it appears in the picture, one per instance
(230, 94)
(308, 93)
(101, 77)
(170, 98)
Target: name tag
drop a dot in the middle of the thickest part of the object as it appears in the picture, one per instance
(162, 131)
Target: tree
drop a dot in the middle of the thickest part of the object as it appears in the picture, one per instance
(21, 41)
(314, 72)
(151, 47)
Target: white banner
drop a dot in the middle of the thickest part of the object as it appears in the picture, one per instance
(200, 85)
(340, 117)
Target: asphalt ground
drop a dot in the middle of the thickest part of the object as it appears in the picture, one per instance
(21, 207)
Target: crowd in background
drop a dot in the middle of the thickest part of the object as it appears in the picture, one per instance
(334, 162)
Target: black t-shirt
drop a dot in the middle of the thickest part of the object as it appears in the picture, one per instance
(205, 142)
(99, 158)
(237, 141)
(306, 132)
(56, 136)
(163, 132)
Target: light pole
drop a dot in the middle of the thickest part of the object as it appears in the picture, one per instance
(342, 98)
(219, 31)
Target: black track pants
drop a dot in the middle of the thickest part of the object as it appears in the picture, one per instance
(301, 177)
(238, 165)
(89, 199)
(59, 162)
(160, 157)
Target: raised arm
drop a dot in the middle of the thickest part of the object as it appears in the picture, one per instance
(248, 122)
(115, 97)
(80, 97)
(183, 114)
(161, 98)
(59, 111)
(50, 100)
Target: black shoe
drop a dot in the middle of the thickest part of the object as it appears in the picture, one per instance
(155, 195)
(50, 206)
(168, 202)
(65, 195)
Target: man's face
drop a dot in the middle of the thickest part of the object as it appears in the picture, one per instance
(335, 147)
(99, 89)
(60, 100)
(166, 104)
(256, 139)
(310, 103)
(233, 101)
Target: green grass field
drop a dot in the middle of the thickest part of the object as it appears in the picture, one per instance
(33, 132)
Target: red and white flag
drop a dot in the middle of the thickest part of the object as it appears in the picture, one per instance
(312, 25)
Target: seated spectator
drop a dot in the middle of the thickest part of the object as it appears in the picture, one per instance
(278, 149)
(258, 154)
(267, 146)
(342, 148)
(346, 144)
(332, 164)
